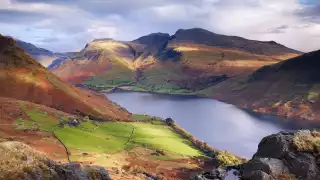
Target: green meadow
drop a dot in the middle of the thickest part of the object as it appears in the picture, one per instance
(110, 137)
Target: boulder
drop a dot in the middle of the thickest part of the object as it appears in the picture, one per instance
(302, 165)
(215, 174)
(74, 171)
(275, 146)
(277, 155)
(260, 175)
(267, 165)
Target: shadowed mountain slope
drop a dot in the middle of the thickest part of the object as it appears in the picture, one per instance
(289, 88)
(23, 78)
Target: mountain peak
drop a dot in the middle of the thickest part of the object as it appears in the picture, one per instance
(103, 39)
(193, 30)
(153, 39)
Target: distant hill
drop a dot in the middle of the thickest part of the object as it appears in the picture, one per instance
(44, 56)
(23, 78)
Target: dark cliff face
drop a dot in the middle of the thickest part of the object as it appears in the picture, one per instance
(154, 39)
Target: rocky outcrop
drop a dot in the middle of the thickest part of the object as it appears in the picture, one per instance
(74, 171)
(286, 153)
(20, 162)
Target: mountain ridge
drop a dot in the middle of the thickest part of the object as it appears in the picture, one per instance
(159, 60)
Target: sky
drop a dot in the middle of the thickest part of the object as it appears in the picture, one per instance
(67, 25)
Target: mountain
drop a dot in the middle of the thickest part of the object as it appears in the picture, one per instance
(44, 56)
(202, 36)
(289, 88)
(23, 78)
(188, 61)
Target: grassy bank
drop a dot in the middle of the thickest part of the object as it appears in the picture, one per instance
(223, 158)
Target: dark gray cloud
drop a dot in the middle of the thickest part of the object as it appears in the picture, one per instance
(310, 13)
(106, 7)
(17, 16)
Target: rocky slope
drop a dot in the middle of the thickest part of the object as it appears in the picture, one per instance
(289, 88)
(44, 56)
(23, 78)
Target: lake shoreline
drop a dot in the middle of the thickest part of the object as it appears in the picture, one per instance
(285, 121)
(221, 125)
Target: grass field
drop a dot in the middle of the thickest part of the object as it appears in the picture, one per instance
(110, 137)
(113, 137)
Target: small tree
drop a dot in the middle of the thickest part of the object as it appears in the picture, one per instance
(169, 121)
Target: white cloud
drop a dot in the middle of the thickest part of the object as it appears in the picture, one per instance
(72, 24)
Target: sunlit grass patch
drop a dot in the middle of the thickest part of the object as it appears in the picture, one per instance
(36, 120)
(75, 138)
(140, 117)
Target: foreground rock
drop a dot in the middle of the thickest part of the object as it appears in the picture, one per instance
(286, 155)
(20, 162)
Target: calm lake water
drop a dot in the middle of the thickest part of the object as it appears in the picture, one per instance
(221, 125)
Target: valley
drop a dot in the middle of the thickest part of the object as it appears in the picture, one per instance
(159, 90)
(201, 63)
(61, 111)
(73, 125)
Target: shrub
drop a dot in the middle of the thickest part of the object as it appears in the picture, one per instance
(170, 122)
(225, 158)
(307, 141)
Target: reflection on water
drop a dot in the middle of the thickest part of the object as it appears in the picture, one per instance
(221, 125)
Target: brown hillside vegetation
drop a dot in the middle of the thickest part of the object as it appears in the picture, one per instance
(289, 88)
(21, 77)
(12, 110)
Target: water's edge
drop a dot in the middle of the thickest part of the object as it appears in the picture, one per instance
(284, 120)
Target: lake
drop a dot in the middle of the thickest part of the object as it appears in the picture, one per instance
(221, 125)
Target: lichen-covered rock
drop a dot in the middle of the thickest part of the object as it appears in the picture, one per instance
(275, 146)
(75, 171)
(293, 153)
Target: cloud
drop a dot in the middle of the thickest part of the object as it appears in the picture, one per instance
(280, 29)
(17, 16)
(61, 25)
